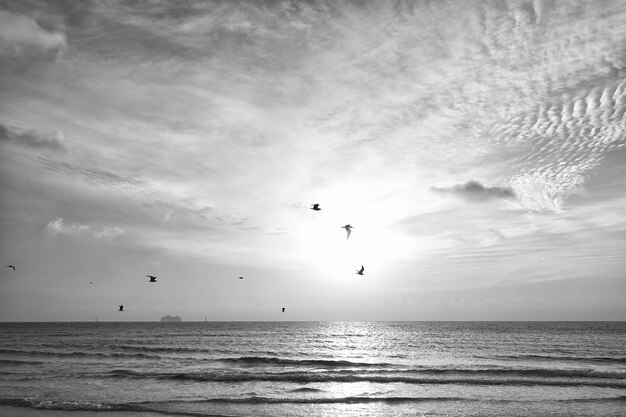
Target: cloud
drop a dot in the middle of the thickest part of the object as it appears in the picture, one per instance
(475, 191)
(89, 173)
(568, 138)
(108, 232)
(32, 138)
(58, 227)
(20, 33)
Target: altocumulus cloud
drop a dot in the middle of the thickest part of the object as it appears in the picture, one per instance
(475, 191)
(58, 227)
(32, 138)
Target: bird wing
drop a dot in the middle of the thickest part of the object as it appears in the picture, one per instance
(349, 232)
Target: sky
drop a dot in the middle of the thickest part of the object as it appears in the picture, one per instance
(478, 149)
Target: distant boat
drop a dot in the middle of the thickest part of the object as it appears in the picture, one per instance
(171, 319)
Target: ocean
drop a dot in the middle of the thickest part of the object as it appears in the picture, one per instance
(313, 369)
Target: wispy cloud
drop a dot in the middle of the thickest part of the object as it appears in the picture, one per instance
(475, 191)
(32, 138)
(96, 176)
(108, 232)
(59, 227)
(18, 33)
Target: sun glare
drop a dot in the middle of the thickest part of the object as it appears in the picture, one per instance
(323, 243)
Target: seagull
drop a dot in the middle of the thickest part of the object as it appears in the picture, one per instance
(283, 309)
(360, 271)
(152, 278)
(240, 277)
(10, 266)
(348, 229)
(315, 207)
(121, 308)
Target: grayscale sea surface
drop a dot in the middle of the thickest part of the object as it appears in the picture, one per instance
(313, 369)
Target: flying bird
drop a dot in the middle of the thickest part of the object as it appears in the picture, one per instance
(152, 278)
(240, 277)
(91, 282)
(10, 266)
(348, 230)
(283, 309)
(360, 271)
(315, 207)
(121, 308)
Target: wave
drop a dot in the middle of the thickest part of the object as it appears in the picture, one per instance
(162, 349)
(610, 359)
(531, 372)
(244, 361)
(155, 406)
(95, 406)
(264, 361)
(178, 407)
(595, 400)
(66, 405)
(421, 372)
(17, 362)
(139, 350)
(365, 400)
(307, 389)
(78, 354)
(331, 400)
(374, 377)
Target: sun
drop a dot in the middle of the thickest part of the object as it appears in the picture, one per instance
(323, 245)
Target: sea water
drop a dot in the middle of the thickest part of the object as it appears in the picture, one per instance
(314, 368)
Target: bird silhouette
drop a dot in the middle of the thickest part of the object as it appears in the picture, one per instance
(121, 308)
(348, 230)
(240, 277)
(360, 271)
(10, 266)
(152, 278)
(91, 282)
(315, 207)
(283, 309)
